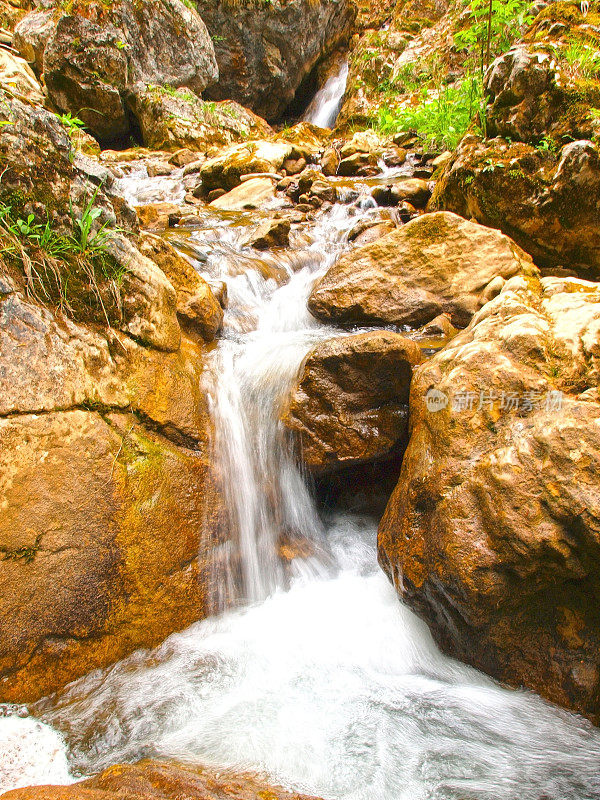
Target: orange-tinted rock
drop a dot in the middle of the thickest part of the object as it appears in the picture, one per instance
(493, 532)
(436, 263)
(154, 780)
(198, 310)
(349, 403)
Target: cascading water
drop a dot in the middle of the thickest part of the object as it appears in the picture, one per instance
(323, 680)
(325, 105)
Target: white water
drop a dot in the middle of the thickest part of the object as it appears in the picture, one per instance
(325, 681)
(325, 105)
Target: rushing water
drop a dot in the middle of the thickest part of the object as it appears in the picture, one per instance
(316, 674)
(325, 105)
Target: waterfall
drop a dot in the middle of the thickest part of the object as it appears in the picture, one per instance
(325, 105)
(315, 674)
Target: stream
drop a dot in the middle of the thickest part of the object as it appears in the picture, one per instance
(310, 670)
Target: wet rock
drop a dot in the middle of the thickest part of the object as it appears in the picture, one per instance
(440, 326)
(153, 780)
(330, 162)
(183, 157)
(394, 157)
(548, 202)
(435, 263)
(366, 142)
(174, 119)
(354, 164)
(31, 35)
(349, 403)
(294, 166)
(265, 50)
(157, 168)
(492, 534)
(414, 190)
(225, 170)
(120, 564)
(247, 196)
(272, 233)
(198, 311)
(99, 54)
(157, 216)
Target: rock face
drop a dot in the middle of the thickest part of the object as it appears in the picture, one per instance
(349, 405)
(31, 35)
(493, 532)
(264, 50)
(548, 203)
(105, 483)
(437, 263)
(98, 55)
(153, 780)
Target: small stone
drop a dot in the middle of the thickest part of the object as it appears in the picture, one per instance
(157, 169)
(215, 194)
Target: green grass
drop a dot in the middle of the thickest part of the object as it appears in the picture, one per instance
(72, 270)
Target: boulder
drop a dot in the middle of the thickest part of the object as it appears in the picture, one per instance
(198, 310)
(349, 403)
(17, 76)
(225, 170)
(247, 196)
(99, 54)
(106, 488)
(265, 50)
(154, 780)
(31, 36)
(493, 532)
(271, 233)
(173, 119)
(548, 202)
(543, 87)
(436, 263)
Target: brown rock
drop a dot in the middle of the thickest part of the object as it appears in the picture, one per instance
(349, 404)
(198, 310)
(248, 195)
(493, 532)
(157, 216)
(549, 203)
(374, 232)
(330, 162)
(30, 37)
(415, 190)
(435, 263)
(271, 233)
(154, 780)
(224, 171)
(351, 166)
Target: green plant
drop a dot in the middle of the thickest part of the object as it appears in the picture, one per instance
(583, 59)
(547, 145)
(120, 45)
(441, 119)
(71, 123)
(493, 27)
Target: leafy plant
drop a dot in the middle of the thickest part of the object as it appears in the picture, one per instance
(493, 27)
(583, 59)
(71, 123)
(441, 120)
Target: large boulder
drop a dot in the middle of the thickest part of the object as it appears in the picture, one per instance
(99, 54)
(171, 119)
(437, 263)
(544, 86)
(349, 403)
(548, 202)
(265, 50)
(225, 170)
(106, 484)
(154, 780)
(493, 532)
